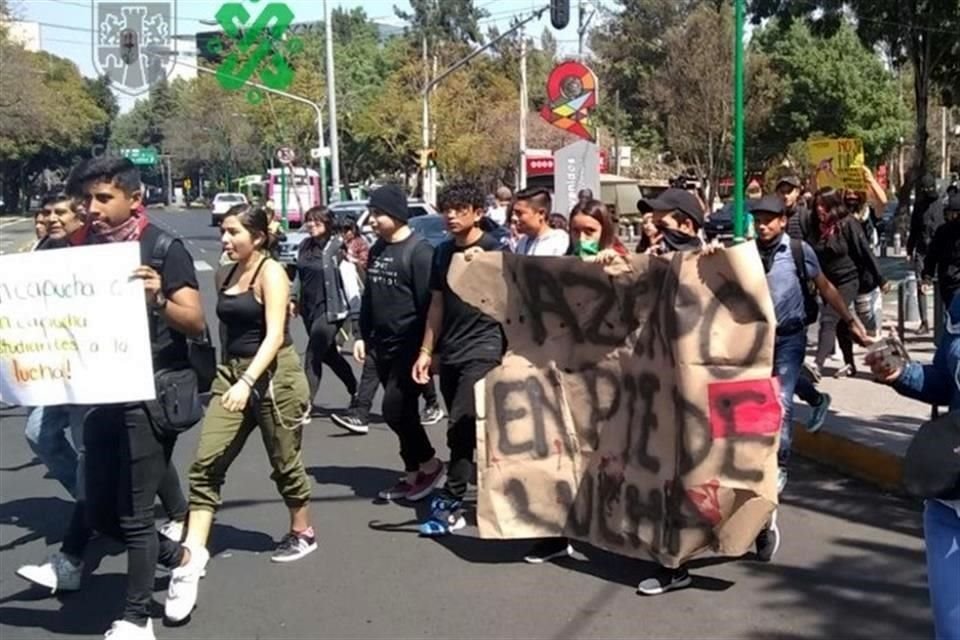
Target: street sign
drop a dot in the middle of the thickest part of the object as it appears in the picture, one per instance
(576, 166)
(286, 155)
(318, 152)
(140, 156)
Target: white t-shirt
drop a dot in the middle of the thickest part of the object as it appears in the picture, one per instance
(555, 242)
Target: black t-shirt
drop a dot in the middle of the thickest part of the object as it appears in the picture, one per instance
(467, 334)
(396, 296)
(169, 346)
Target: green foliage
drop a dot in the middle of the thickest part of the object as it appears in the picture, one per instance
(833, 86)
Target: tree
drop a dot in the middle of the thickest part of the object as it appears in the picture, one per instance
(628, 48)
(693, 89)
(831, 86)
(923, 33)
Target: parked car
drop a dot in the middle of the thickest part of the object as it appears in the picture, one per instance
(222, 203)
(432, 227)
(154, 195)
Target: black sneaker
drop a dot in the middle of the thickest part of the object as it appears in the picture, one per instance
(351, 422)
(768, 540)
(432, 415)
(294, 546)
(548, 549)
(664, 580)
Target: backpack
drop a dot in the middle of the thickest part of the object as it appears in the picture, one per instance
(201, 354)
(811, 301)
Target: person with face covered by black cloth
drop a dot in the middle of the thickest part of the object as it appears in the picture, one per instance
(678, 215)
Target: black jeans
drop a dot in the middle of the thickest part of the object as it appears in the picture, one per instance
(401, 408)
(370, 381)
(322, 350)
(126, 464)
(456, 385)
(78, 529)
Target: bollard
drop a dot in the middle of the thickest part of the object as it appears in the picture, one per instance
(938, 313)
(911, 286)
(896, 244)
(901, 310)
(883, 246)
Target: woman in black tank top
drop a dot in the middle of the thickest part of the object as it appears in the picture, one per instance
(260, 385)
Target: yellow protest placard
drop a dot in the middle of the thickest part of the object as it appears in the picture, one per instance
(837, 162)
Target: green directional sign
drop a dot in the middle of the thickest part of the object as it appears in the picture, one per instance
(142, 155)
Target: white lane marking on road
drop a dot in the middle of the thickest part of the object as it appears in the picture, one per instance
(10, 223)
(200, 265)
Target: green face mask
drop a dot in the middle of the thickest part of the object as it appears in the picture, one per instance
(588, 247)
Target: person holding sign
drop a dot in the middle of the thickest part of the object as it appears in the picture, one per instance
(469, 344)
(260, 385)
(127, 452)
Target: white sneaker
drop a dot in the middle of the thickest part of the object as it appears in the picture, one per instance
(172, 530)
(123, 630)
(56, 574)
(185, 585)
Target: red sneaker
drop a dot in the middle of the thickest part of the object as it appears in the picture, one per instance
(425, 484)
(398, 491)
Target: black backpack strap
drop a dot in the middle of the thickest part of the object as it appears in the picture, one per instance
(796, 249)
(161, 247)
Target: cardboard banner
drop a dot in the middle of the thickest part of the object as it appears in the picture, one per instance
(837, 163)
(73, 327)
(635, 412)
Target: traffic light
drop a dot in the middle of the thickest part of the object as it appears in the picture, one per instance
(129, 50)
(559, 13)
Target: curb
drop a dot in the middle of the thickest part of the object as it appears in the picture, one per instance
(871, 464)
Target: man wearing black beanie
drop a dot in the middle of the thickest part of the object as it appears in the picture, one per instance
(393, 315)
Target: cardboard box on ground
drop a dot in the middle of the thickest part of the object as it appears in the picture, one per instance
(636, 412)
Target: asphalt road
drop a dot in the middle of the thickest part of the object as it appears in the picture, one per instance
(851, 564)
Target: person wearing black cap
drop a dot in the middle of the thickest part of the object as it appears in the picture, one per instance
(798, 215)
(790, 266)
(393, 315)
(678, 215)
(943, 256)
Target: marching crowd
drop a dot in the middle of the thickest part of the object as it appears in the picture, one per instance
(410, 326)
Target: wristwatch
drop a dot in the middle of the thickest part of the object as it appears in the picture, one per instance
(159, 302)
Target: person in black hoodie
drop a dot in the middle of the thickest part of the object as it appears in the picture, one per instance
(393, 315)
(320, 300)
(678, 216)
(926, 218)
(943, 258)
(843, 252)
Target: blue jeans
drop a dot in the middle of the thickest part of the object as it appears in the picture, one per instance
(941, 532)
(46, 435)
(788, 353)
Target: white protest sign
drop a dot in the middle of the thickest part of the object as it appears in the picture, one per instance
(73, 327)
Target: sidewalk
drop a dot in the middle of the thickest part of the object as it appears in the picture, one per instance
(869, 426)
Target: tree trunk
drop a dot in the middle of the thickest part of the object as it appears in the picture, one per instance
(920, 57)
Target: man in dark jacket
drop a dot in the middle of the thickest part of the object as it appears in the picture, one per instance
(943, 256)
(926, 218)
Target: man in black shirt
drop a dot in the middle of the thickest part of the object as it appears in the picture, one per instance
(468, 343)
(127, 458)
(943, 257)
(393, 313)
(927, 216)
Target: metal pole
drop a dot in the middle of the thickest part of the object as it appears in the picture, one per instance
(522, 182)
(580, 30)
(283, 195)
(425, 125)
(739, 219)
(901, 310)
(616, 128)
(944, 162)
(332, 111)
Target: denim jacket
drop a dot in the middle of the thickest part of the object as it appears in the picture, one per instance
(937, 383)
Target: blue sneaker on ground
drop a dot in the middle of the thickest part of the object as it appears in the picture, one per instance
(446, 516)
(819, 413)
